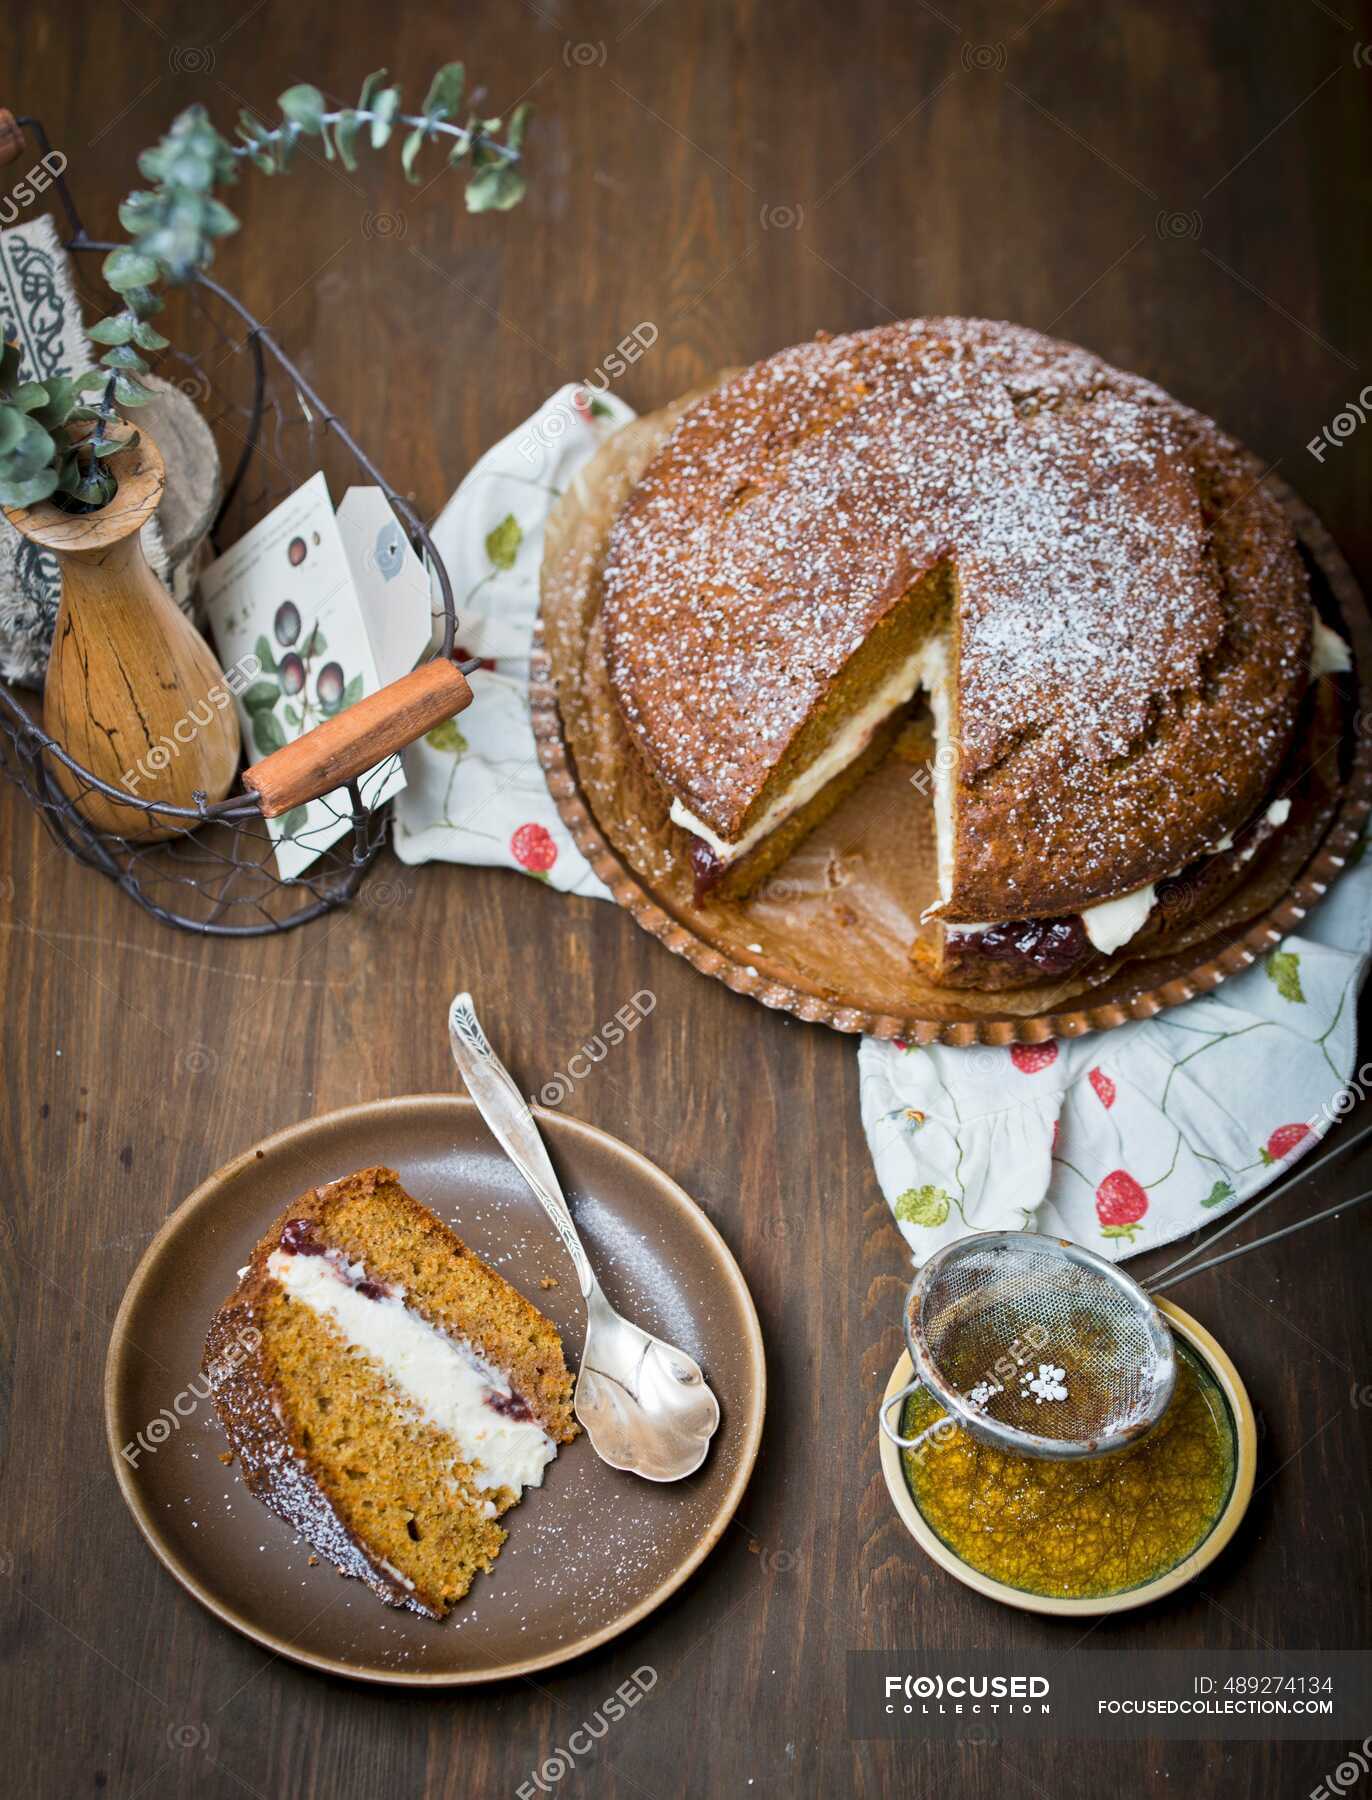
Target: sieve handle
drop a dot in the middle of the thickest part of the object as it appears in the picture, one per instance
(899, 1399)
(1213, 1262)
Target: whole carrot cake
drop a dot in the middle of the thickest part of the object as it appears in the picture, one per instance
(1087, 585)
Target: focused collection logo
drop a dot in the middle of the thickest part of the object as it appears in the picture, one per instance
(951, 1695)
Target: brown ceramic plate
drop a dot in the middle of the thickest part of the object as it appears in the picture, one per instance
(827, 936)
(589, 1553)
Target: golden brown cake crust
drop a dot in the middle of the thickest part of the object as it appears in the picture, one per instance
(1132, 616)
(1189, 897)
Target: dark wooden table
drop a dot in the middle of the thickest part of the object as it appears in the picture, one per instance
(1183, 189)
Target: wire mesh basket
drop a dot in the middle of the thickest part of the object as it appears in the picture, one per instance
(217, 873)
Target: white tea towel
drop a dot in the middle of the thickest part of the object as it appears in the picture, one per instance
(1124, 1140)
(1120, 1141)
(475, 792)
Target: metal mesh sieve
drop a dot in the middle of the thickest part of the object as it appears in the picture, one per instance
(986, 1314)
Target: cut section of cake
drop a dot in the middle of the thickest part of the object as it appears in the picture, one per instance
(386, 1392)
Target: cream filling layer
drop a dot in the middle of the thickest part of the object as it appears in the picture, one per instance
(1112, 923)
(443, 1378)
(1329, 655)
(936, 678)
(846, 745)
(1109, 925)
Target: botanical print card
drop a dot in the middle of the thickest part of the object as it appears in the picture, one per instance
(391, 582)
(285, 595)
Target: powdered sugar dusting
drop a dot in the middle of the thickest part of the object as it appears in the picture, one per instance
(1130, 601)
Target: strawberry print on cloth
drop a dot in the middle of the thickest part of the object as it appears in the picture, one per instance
(474, 788)
(1125, 1140)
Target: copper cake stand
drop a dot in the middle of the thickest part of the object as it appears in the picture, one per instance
(725, 941)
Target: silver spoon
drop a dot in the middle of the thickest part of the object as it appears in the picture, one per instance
(645, 1405)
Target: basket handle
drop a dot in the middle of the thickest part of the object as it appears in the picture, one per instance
(341, 748)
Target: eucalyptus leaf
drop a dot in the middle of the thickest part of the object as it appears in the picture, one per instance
(143, 301)
(124, 268)
(304, 106)
(181, 244)
(384, 108)
(370, 87)
(12, 423)
(495, 188)
(345, 131)
(129, 392)
(61, 399)
(112, 446)
(147, 337)
(27, 492)
(413, 144)
(192, 168)
(444, 98)
(137, 210)
(93, 487)
(219, 221)
(33, 448)
(123, 356)
(258, 141)
(479, 147)
(116, 329)
(29, 396)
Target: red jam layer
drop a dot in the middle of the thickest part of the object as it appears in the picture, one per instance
(298, 1238)
(1053, 946)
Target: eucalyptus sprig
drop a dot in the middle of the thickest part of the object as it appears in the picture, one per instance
(53, 444)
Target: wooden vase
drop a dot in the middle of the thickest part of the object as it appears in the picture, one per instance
(133, 692)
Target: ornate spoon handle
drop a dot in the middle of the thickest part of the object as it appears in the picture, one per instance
(504, 1109)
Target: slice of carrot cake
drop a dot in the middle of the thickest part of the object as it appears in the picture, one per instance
(398, 1396)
